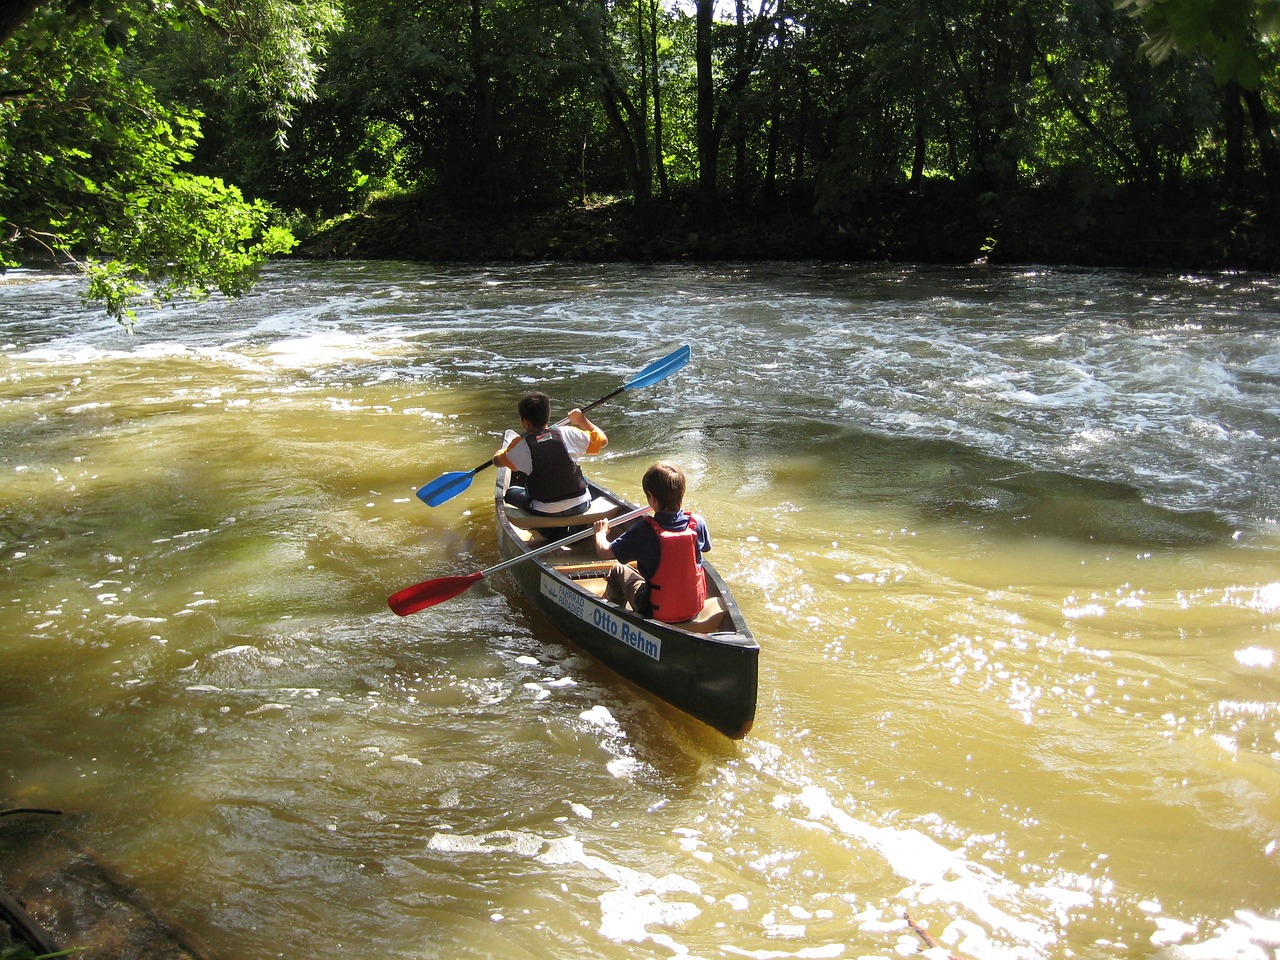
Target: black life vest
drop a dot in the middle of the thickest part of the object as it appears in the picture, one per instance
(555, 474)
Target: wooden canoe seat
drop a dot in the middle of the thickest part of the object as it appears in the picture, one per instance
(600, 509)
(591, 577)
(708, 621)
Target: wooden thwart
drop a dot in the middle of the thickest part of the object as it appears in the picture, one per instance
(575, 570)
(600, 509)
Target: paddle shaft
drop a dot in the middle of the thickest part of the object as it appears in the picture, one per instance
(449, 485)
(593, 405)
(430, 592)
(556, 544)
(559, 423)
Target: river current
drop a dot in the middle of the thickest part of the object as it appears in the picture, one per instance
(1007, 537)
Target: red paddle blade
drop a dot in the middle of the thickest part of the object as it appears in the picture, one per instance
(429, 593)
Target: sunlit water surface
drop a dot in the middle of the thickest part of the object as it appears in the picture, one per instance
(1008, 539)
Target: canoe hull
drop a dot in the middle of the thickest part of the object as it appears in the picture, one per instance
(710, 676)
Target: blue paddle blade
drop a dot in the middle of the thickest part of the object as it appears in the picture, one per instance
(659, 369)
(445, 487)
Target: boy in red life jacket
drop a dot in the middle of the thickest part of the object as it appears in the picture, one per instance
(547, 458)
(667, 548)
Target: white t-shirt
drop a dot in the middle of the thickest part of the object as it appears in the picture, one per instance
(576, 442)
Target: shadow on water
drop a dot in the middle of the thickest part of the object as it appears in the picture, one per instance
(668, 750)
(943, 481)
(1052, 504)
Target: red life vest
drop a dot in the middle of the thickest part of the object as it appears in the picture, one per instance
(678, 588)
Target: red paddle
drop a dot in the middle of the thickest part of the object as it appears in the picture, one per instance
(430, 592)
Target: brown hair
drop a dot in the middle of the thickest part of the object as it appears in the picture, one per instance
(665, 481)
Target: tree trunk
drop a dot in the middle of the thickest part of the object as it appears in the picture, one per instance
(484, 179)
(917, 157)
(658, 160)
(13, 14)
(1233, 127)
(773, 144)
(801, 165)
(628, 122)
(738, 130)
(642, 55)
(708, 142)
(1268, 151)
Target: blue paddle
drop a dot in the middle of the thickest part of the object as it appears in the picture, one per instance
(449, 485)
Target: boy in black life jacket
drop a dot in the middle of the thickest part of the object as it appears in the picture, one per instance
(547, 457)
(667, 548)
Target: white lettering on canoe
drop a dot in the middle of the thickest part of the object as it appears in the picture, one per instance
(600, 618)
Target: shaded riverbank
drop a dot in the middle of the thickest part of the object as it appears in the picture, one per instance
(58, 895)
(1165, 228)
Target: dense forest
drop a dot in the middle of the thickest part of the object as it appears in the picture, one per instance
(169, 149)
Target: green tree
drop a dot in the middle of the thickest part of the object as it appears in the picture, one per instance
(1239, 40)
(482, 98)
(1236, 36)
(92, 161)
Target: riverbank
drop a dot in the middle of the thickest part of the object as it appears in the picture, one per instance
(1186, 228)
(55, 895)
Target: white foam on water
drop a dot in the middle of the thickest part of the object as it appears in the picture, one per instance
(937, 875)
(599, 716)
(636, 901)
(325, 349)
(286, 344)
(1245, 936)
(1256, 657)
(499, 841)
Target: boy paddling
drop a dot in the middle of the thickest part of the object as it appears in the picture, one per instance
(668, 583)
(547, 459)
